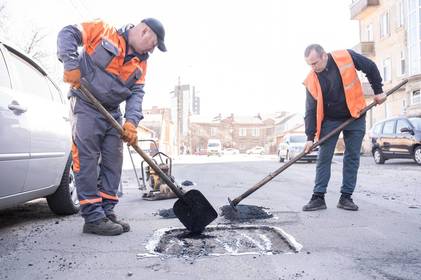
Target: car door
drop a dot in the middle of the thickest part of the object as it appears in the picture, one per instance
(387, 137)
(404, 140)
(14, 134)
(48, 123)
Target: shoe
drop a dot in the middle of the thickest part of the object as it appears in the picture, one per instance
(113, 218)
(345, 202)
(317, 202)
(103, 227)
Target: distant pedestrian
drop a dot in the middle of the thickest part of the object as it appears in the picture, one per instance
(113, 62)
(334, 94)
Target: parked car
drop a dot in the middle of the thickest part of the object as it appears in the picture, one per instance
(214, 147)
(293, 145)
(258, 150)
(35, 142)
(230, 151)
(398, 137)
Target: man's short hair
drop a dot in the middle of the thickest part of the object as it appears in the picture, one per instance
(316, 47)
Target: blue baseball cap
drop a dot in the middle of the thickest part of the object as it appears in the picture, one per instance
(158, 29)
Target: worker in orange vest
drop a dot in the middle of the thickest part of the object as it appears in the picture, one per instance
(113, 64)
(334, 94)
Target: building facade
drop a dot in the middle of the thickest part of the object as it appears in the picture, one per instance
(239, 132)
(390, 36)
(160, 122)
(185, 103)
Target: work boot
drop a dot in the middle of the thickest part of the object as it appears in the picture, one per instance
(103, 227)
(113, 218)
(317, 202)
(345, 202)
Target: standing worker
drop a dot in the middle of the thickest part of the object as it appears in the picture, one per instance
(113, 63)
(334, 94)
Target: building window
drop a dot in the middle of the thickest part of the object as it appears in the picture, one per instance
(213, 131)
(400, 14)
(369, 30)
(402, 68)
(255, 132)
(387, 70)
(384, 25)
(416, 97)
(242, 132)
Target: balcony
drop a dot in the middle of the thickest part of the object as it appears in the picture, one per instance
(365, 48)
(360, 6)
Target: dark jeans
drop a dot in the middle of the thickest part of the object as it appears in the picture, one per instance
(353, 136)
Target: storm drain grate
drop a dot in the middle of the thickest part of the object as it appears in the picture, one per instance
(221, 240)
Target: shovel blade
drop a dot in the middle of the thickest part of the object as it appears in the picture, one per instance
(194, 211)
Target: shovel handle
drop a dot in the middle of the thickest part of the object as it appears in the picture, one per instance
(85, 91)
(269, 177)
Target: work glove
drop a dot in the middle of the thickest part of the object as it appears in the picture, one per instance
(129, 133)
(72, 77)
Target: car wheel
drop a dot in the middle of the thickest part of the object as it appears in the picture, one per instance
(417, 155)
(64, 201)
(281, 159)
(378, 157)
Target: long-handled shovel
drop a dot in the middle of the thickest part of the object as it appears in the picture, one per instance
(269, 177)
(192, 208)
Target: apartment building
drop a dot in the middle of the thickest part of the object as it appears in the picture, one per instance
(240, 132)
(159, 121)
(390, 36)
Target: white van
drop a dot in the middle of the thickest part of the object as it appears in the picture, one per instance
(214, 147)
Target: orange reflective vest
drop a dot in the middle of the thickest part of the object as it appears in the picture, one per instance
(108, 48)
(354, 95)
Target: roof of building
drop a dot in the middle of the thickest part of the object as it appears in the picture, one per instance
(247, 120)
(285, 118)
(204, 119)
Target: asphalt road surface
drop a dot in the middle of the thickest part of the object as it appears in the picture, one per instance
(380, 241)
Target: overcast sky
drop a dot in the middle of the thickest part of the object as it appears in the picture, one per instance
(243, 56)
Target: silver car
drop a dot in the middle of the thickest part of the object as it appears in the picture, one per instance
(35, 136)
(293, 145)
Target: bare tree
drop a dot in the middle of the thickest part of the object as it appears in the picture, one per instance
(30, 41)
(32, 46)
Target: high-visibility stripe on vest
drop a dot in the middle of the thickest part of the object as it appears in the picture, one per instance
(353, 91)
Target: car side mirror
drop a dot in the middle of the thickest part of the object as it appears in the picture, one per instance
(407, 129)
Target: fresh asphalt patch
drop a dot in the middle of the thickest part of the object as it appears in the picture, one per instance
(244, 213)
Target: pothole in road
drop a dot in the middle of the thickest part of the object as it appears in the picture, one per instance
(221, 240)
